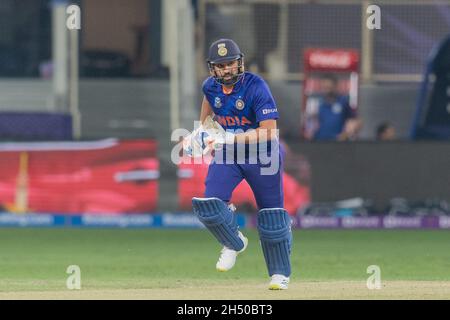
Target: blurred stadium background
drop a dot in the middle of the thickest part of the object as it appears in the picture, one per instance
(86, 115)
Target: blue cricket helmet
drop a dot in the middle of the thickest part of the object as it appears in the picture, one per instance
(221, 51)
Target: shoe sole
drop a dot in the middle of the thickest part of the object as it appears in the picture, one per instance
(276, 287)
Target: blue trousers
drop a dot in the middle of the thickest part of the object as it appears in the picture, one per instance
(223, 178)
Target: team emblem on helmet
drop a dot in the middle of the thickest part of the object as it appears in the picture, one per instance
(239, 104)
(217, 102)
(222, 51)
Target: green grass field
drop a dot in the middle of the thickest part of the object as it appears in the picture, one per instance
(180, 264)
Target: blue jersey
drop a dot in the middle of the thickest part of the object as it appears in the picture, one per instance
(249, 103)
(332, 118)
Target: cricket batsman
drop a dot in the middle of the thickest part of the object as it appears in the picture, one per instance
(244, 131)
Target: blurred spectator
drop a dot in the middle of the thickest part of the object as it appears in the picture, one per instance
(385, 132)
(333, 117)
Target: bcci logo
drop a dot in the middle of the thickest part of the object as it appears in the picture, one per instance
(222, 51)
(239, 104)
(217, 102)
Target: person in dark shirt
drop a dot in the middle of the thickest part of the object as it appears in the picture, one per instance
(334, 118)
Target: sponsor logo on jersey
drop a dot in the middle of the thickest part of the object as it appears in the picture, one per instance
(217, 102)
(267, 111)
(239, 104)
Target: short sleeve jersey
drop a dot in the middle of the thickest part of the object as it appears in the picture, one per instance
(249, 103)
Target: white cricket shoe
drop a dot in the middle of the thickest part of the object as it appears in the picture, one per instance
(228, 256)
(279, 282)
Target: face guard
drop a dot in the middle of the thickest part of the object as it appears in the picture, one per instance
(235, 77)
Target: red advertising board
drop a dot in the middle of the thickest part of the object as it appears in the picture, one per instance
(331, 60)
(107, 176)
